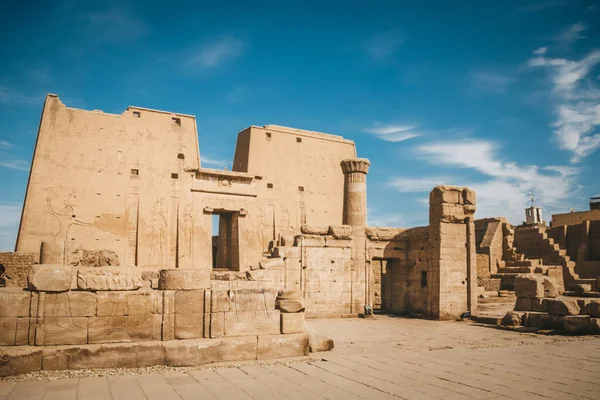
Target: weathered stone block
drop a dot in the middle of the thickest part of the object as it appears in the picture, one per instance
(20, 360)
(220, 300)
(187, 302)
(125, 355)
(242, 323)
(70, 304)
(541, 305)
(309, 241)
(61, 330)
(22, 336)
(523, 304)
(8, 330)
(128, 303)
(14, 303)
(271, 263)
(184, 279)
(131, 328)
(290, 306)
(592, 309)
(512, 318)
(205, 351)
(319, 342)
(189, 326)
(217, 325)
(292, 323)
(281, 346)
(538, 320)
(529, 286)
(114, 278)
(562, 307)
(168, 327)
(50, 278)
(578, 324)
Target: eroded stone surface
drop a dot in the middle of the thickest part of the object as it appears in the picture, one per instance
(184, 279)
(50, 278)
(115, 278)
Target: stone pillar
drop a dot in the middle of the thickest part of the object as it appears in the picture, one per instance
(355, 191)
(453, 260)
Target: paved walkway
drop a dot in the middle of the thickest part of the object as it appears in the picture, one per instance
(381, 358)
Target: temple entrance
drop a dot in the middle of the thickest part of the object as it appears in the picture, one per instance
(225, 240)
(378, 287)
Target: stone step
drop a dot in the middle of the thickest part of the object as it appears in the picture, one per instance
(517, 270)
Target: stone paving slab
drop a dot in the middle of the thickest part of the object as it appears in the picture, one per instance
(379, 358)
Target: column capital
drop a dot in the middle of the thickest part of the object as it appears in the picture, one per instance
(356, 165)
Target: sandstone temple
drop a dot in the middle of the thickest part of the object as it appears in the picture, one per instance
(117, 262)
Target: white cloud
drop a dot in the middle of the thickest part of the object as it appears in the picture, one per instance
(214, 162)
(218, 52)
(19, 165)
(393, 133)
(488, 82)
(540, 51)
(570, 35)
(5, 145)
(578, 109)
(384, 45)
(503, 189)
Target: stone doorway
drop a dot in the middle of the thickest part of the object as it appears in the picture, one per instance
(225, 241)
(378, 287)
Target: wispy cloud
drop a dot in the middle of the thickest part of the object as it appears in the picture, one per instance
(384, 45)
(541, 6)
(214, 162)
(578, 110)
(489, 82)
(217, 52)
(393, 132)
(9, 96)
(502, 186)
(115, 24)
(19, 165)
(5, 145)
(570, 35)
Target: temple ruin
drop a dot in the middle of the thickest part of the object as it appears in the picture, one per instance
(116, 253)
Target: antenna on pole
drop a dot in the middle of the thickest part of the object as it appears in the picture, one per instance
(532, 198)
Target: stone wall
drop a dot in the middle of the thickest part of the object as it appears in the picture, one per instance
(574, 218)
(405, 282)
(582, 244)
(16, 267)
(49, 313)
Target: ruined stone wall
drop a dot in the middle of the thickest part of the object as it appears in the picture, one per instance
(582, 244)
(574, 218)
(301, 179)
(405, 283)
(321, 268)
(50, 314)
(115, 182)
(489, 238)
(16, 267)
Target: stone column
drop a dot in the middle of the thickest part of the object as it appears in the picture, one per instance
(452, 287)
(355, 215)
(355, 191)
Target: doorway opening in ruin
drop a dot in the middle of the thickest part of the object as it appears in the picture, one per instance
(378, 285)
(225, 240)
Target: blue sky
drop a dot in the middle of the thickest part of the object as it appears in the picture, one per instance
(500, 96)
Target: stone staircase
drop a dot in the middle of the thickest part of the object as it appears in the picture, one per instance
(533, 243)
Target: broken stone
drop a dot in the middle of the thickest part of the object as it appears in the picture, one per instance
(112, 278)
(529, 286)
(592, 309)
(578, 324)
(561, 307)
(319, 342)
(184, 279)
(523, 304)
(511, 318)
(50, 278)
(271, 263)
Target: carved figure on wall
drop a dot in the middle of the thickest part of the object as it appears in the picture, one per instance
(157, 231)
(186, 232)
